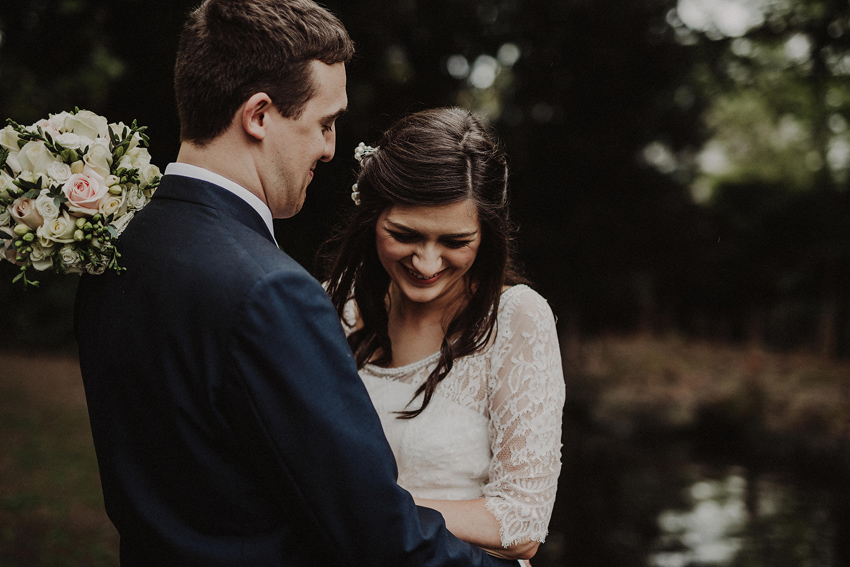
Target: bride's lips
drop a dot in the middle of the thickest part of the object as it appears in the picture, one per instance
(414, 278)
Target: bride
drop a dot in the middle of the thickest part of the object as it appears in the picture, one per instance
(459, 355)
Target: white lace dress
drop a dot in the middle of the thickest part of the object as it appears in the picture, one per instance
(493, 426)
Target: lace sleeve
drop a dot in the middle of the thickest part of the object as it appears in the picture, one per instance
(526, 386)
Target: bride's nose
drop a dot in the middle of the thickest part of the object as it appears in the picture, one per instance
(427, 261)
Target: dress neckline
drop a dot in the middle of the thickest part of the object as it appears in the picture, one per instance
(394, 371)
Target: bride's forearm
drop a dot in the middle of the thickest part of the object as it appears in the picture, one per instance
(470, 521)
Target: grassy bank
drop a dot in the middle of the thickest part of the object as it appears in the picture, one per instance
(51, 509)
(781, 405)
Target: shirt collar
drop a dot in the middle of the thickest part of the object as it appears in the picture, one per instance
(195, 172)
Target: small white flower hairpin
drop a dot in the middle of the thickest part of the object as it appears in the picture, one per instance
(361, 152)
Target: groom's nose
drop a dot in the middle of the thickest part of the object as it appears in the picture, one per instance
(330, 146)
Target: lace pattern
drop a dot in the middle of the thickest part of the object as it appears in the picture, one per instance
(493, 428)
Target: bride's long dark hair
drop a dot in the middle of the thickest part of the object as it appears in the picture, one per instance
(430, 158)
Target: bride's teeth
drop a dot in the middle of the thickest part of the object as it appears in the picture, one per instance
(418, 277)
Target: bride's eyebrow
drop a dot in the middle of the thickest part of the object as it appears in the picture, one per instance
(398, 226)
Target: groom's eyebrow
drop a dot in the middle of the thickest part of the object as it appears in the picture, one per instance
(330, 118)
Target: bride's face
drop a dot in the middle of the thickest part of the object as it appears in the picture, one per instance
(427, 251)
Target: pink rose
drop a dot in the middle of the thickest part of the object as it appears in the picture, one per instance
(24, 212)
(84, 192)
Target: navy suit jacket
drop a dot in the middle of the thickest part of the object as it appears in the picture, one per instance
(230, 425)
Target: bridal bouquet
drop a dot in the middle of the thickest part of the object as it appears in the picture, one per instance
(69, 185)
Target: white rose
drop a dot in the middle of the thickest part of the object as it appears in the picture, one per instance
(24, 212)
(139, 157)
(61, 229)
(69, 140)
(41, 257)
(9, 139)
(96, 269)
(99, 158)
(147, 173)
(70, 260)
(135, 198)
(88, 124)
(59, 171)
(45, 204)
(111, 204)
(35, 157)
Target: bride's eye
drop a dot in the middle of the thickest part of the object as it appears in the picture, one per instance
(404, 237)
(455, 244)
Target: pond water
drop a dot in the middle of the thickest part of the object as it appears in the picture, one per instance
(663, 501)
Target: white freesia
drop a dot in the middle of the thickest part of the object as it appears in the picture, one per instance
(121, 222)
(57, 121)
(47, 128)
(13, 163)
(59, 171)
(99, 158)
(60, 229)
(70, 260)
(6, 182)
(46, 206)
(35, 157)
(126, 162)
(9, 139)
(41, 257)
(118, 129)
(5, 216)
(88, 124)
(70, 140)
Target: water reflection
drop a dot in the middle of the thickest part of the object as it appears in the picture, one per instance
(709, 531)
(671, 502)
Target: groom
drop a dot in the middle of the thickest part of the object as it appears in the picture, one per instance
(230, 425)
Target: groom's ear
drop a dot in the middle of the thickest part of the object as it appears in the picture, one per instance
(254, 113)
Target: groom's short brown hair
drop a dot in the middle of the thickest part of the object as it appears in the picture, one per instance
(231, 49)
